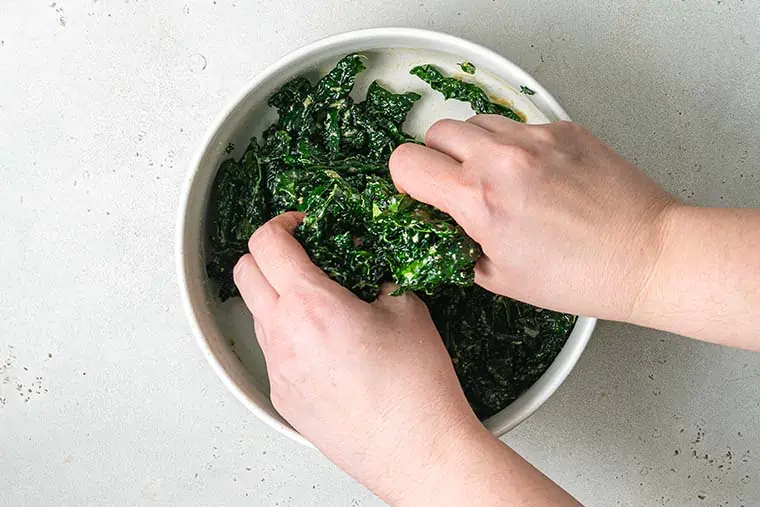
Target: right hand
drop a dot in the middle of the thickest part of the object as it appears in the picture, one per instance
(565, 223)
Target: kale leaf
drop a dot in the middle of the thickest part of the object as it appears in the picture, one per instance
(423, 246)
(452, 88)
(362, 232)
(333, 233)
(241, 207)
(327, 156)
(499, 346)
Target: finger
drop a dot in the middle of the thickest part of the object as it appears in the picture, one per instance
(427, 175)
(288, 221)
(386, 301)
(496, 124)
(282, 260)
(457, 139)
(258, 294)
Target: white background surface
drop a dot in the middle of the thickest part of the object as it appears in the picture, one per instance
(104, 397)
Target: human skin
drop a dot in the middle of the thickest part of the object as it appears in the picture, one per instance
(565, 223)
(586, 231)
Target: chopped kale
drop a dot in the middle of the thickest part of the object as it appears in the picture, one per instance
(499, 346)
(423, 247)
(335, 237)
(241, 207)
(526, 91)
(467, 67)
(452, 88)
(361, 232)
(327, 156)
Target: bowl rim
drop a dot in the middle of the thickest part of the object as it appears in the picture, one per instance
(524, 406)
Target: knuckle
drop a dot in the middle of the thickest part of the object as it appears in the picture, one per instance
(438, 129)
(494, 122)
(470, 187)
(399, 157)
(515, 158)
(545, 135)
(485, 201)
(442, 124)
(262, 235)
(491, 142)
(478, 193)
(580, 130)
(570, 127)
(468, 176)
(310, 307)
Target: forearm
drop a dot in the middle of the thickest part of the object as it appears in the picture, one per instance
(481, 470)
(706, 283)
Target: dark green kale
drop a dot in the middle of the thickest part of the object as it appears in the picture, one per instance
(422, 246)
(240, 201)
(499, 346)
(373, 128)
(526, 91)
(362, 232)
(337, 84)
(452, 88)
(327, 156)
(334, 234)
(467, 67)
(392, 107)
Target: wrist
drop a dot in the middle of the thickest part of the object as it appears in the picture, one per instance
(425, 457)
(663, 236)
(481, 470)
(705, 282)
(439, 481)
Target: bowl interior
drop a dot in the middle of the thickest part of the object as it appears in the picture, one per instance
(225, 330)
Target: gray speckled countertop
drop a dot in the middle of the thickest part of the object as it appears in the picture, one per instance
(104, 397)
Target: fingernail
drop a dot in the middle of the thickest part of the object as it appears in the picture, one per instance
(237, 268)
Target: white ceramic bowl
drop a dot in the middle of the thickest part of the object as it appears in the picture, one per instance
(225, 330)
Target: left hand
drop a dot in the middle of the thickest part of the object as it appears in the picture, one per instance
(371, 385)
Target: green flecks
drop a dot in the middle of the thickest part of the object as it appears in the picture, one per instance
(526, 91)
(467, 67)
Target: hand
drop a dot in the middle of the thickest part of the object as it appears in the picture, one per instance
(564, 222)
(371, 385)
